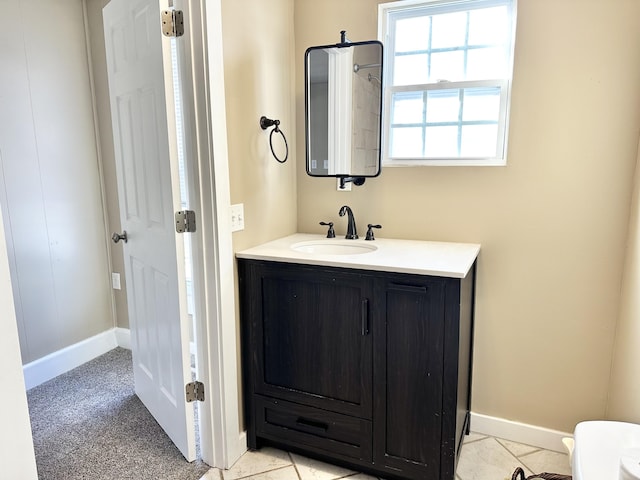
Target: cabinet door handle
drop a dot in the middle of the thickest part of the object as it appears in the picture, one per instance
(312, 424)
(422, 290)
(365, 317)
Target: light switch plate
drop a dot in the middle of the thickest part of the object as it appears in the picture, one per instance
(115, 281)
(237, 217)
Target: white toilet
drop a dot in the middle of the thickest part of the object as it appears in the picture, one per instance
(606, 450)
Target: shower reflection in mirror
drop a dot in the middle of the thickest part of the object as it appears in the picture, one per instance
(344, 99)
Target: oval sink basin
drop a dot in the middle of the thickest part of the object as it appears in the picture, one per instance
(333, 247)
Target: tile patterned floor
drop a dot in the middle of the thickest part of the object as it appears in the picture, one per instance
(482, 458)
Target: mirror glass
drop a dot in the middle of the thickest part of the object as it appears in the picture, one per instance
(343, 86)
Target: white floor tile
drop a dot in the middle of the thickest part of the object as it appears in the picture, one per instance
(213, 474)
(310, 469)
(518, 449)
(286, 473)
(487, 460)
(254, 463)
(472, 437)
(482, 458)
(547, 461)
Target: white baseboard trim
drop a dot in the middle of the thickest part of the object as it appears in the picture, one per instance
(519, 432)
(57, 363)
(123, 337)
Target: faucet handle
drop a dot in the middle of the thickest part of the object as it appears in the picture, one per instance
(331, 233)
(370, 231)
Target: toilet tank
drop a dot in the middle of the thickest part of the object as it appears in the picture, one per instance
(599, 446)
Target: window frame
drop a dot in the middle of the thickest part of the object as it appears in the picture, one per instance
(407, 9)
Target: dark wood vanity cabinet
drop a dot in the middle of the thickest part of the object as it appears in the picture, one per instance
(363, 368)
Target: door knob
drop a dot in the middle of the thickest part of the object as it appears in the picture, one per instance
(116, 237)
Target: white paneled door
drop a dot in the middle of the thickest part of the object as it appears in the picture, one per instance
(141, 92)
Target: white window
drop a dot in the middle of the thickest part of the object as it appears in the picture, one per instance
(447, 80)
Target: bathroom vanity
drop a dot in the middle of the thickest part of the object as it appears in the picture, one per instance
(359, 353)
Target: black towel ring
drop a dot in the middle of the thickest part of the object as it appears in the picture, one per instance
(266, 123)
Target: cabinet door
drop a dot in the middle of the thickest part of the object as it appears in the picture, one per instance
(311, 334)
(409, 329)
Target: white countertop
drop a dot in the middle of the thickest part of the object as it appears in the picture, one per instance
(442, 259)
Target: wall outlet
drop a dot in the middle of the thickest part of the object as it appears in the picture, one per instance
(237, 217)
(115, 281)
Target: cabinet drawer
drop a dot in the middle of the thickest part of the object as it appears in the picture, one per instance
(326, 431)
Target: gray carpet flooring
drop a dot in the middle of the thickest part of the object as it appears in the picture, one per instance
(89, 424)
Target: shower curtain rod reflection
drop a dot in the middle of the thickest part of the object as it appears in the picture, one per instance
(357, 67)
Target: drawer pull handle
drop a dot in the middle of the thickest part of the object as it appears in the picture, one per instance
(409, 288)
(365, 317)
(312, 424)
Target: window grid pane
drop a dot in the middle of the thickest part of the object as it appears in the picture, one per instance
(451, 58)
(451, 123)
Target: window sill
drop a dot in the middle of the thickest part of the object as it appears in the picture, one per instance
(462, 162)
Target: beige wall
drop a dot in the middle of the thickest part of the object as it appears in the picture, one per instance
(103, 110)
(259, 80)
(552, 223)
(258, 68)
(624, 395)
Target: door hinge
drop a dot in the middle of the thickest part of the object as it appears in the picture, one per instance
(185, 221)
(172, 23)
(195, 391)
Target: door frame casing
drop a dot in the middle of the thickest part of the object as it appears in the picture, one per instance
(221, 440)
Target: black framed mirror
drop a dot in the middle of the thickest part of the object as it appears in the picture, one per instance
(343, 110)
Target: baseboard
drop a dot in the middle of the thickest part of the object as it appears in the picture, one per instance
(519, 432)
(123, 337)
(57, 363)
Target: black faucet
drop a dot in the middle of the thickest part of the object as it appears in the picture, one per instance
(352, 231)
